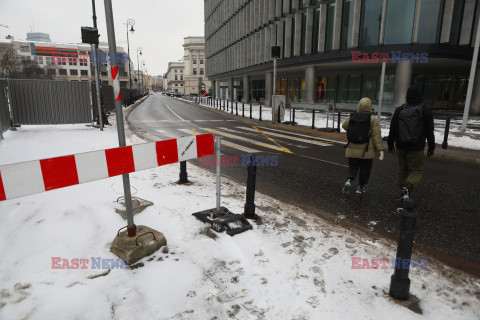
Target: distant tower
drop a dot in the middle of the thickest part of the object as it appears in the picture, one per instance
(38, 36)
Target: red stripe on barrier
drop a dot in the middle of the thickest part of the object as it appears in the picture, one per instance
(205, 145)
(114, 72)
(59, 172)
(2, 189)
(119, 96)
(167, 152)
(119, 161)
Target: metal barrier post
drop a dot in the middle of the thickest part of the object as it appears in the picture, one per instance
(278, 115)
(313, 118)
(400, 283)
(249, 211)
(243, 109)
(231, 108)
(183, 172)
(260, 117)
(250, 109)
(218, 155)
(293, 119)
(236, 108)
(445, 137)
(339, 120)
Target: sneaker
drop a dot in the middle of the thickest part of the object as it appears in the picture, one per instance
(405, 195)
(361, 189)
(346, 187)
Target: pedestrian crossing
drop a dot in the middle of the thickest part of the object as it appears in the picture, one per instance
(235, 138)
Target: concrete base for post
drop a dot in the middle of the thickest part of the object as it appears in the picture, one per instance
(132, 249)
(138, 205)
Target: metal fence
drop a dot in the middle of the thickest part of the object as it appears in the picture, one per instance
(50, 102)
(4, 111)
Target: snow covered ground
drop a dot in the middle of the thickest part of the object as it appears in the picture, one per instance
(292, 265)
(470, 140)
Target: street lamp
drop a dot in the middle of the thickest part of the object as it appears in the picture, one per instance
(143, 78)
(139, 51)
(130, 23)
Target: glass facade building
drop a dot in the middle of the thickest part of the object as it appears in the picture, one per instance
(324, 36)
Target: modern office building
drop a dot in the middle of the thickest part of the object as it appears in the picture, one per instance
(71, 62)
(196, 81)
(174, 78)
(332, 50)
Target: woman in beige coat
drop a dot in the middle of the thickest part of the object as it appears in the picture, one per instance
(360, 155)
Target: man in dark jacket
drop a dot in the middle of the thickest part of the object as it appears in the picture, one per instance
(410, 149)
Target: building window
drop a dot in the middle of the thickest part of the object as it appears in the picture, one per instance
(72, 61)
(176, 77)
(38, 59)
(292, 43)
(24, 48)
(284, 38)
(371, 22)
(74, 72)
(304, 31)
(202, 72)
(181, 77)
(457, 18)
(316, 25)
(62, 72)
(175, 70)
(181, 71)
(48, 60)
(430, 22)
(347, 24)
(83, 62)
(330, 25)
(104, 73)
(194, 71)
(201, 61)
(84, 72)
(400, 15)
(194, 61)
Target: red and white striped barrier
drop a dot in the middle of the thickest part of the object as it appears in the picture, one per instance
(21, 179)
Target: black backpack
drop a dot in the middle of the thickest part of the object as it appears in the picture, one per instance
(358, 130)
(410, 124)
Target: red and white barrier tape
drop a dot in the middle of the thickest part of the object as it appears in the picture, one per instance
(26, 178)
(116, 83)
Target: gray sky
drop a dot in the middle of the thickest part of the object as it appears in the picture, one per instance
(160, 25)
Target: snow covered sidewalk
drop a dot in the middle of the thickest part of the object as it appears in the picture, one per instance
(292, 265)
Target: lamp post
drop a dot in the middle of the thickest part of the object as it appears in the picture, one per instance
(139, 51)
(143, 78)
(130, 23)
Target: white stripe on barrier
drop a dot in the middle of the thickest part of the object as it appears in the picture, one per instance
(187, 148)
(145, 156)
(22, 179)
(91, 166)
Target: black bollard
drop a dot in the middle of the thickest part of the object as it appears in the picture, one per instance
(445, 137)
(183, 172)
(250, 109)
(260, 117)
(293, 118)
(400, 283)
(249, 211)
(243, 109)
(313, 118)
(278, 115)
(236, 108)
(338, 120)
(231, 107)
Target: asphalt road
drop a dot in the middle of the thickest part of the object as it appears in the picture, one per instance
(311, 172)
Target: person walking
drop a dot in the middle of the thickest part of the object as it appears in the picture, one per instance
(411, 125)
(364, 140)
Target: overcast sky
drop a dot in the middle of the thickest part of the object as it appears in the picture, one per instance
(160, 25)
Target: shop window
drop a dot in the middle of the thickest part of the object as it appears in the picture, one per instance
(456, 21)
(371, 22)
(430, 23)
(347, 24)
(330, 25)
(315, 33)
(304, 31)
(399, 24)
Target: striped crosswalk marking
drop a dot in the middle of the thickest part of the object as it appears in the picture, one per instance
(300, 135)
(226, 143)
(235, 137)
(318, 143)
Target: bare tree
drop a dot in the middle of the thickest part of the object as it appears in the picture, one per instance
(9, 61)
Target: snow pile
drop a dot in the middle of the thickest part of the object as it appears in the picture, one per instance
(292, 265)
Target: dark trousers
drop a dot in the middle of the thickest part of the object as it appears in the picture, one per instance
(362, 165)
